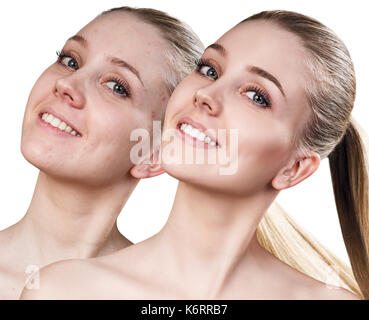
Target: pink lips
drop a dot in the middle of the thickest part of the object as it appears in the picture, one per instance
(197, 125)
(61, 117)
(52, 130)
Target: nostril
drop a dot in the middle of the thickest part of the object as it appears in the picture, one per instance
(68, 96)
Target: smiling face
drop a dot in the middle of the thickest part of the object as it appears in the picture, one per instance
(107, 81)
(252, 79)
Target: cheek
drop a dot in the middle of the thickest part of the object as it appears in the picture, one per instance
(41, 89)
(263, 150)
(180, 100)
(155, 104)
(183, 94)
(110, 132)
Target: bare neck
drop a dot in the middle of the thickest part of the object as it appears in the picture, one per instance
(208, 234)
(66, 220)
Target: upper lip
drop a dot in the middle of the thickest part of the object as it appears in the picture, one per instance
(61, 117)
(199, 126)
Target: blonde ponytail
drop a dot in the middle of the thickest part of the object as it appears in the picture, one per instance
(350, 185)
(284, 238)
(281, 236)
(331, 132)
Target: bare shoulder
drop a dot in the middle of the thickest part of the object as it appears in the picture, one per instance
(296, 285)
(7, 236)
(308, 288)
(120, 275)
(322, 291)
(68, 279)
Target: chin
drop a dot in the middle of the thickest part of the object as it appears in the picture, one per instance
(200, 175)
(207, 178)
(42, 156)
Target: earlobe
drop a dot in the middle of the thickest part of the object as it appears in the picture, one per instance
(148, 170)
(298, 171)
(142, 170)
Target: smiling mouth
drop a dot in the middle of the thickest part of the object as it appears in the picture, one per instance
(196, 134)
(58, 124)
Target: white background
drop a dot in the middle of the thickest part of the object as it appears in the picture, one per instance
(31, 32)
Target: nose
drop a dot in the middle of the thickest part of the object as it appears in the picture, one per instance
(206, 99)
(68, 89)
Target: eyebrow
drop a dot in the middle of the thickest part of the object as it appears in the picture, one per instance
(253, 69)
(124, 64)
(219, 48)
(79, 39)
(116, 61)
(266, 75)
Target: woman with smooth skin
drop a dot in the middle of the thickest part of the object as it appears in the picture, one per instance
(287, 83)
(116, 74)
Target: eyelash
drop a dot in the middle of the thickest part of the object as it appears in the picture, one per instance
(259, 91)
(122, 83)
(62, 54)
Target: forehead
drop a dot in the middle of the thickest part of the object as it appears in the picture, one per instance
(278, 51)
(125, 36)
(268, 46)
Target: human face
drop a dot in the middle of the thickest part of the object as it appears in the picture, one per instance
(108, 81)
(229, 91)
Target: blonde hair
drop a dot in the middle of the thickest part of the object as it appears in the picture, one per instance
(331, 132)
(184, 46)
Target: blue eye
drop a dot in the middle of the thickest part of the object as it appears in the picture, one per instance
(70, 62)
(67, 60)
(206, 69)
(258, 96)
(209, 72)
(119, 87)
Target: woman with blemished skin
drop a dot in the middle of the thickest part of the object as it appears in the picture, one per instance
(116, 74)
(287, 83)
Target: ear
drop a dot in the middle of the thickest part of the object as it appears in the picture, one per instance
(297, 170)
(147, 170)
(142, 170)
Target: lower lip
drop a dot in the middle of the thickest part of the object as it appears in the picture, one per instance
(51, 129)
(192, 141)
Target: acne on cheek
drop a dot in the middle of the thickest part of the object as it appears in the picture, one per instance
(91, 146)
(107, 158)
(163, 98)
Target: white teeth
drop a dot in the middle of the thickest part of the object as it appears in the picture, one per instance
(57, 123)
(188, 129)
(201, 136)
(62, 125)
(196, 133)
(49, 118)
